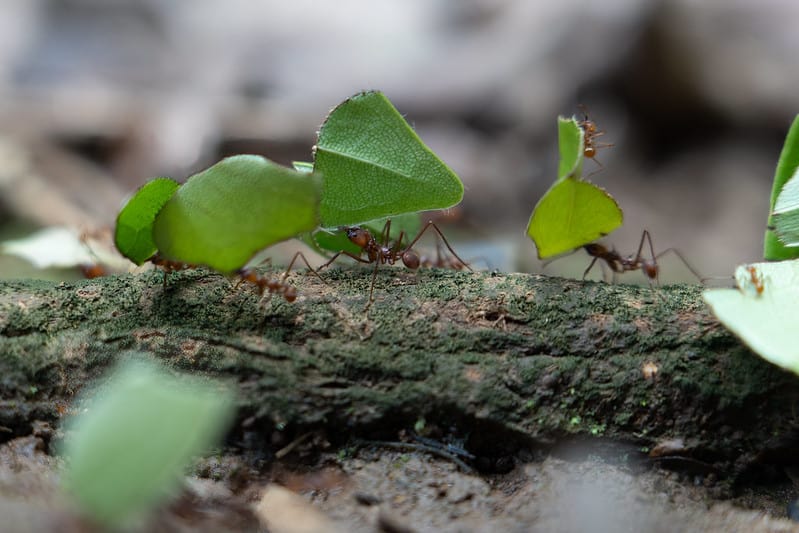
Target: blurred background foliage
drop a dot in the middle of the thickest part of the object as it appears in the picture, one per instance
(97, 96)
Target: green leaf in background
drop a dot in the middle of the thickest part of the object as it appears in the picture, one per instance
(786, 213)
(773, 249)
(134, 231)
(128, 450)
(571, 140)
(222, 216)
(763, 311)
(571, 214)
(337, 241)
(374, 165)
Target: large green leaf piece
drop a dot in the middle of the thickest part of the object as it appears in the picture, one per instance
(134, 230)
(773, 248)
(764, 310)
(375, 166)
(573, 212)
(222, 216)
(126, 452)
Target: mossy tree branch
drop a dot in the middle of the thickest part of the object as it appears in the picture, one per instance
(539, 358)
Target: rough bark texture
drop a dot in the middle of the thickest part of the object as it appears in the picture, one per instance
(502, 359)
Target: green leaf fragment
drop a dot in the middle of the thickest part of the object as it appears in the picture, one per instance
(763, 311)
(773, 248)
(127, 451)
(375, 166)
(222, 216)
(571, 214)
(786, 213)
(571, 142)
(134, 229)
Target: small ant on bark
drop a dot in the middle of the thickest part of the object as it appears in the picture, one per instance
(619, 264)
(590, 134)
(386, 253)
(275, 286)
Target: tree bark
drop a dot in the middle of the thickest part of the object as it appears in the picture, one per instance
(504, 359)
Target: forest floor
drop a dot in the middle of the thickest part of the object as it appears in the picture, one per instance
(394, 488)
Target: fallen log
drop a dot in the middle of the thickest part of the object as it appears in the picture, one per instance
(504, 360)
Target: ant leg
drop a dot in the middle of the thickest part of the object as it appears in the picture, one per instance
(587, 270)
(386, 232)
(432, 224)
(348, 254)
(684, 262)
(304, 260)
(650, 270)
(372, 286)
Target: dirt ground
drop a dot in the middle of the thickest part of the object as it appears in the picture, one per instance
(388, 488)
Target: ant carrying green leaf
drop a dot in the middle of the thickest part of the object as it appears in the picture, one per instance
(384, 252)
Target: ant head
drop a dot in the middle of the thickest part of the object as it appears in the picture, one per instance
(650, 269)
(411, 259)
(358, 236)
(595, 249)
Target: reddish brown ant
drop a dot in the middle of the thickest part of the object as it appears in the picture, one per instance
(590, 134)
(753, 281)
(756, 279)
(619, 264)
(389, 254)
(275, 286)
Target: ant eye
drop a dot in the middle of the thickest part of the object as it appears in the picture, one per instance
(411, 259)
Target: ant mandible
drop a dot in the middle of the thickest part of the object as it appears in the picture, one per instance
(275, 286)
(619, 264)
(590, 134)
(385, 253)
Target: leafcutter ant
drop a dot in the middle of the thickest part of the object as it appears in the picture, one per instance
(756, 278)
(750, 281)
(619, 264)
(386, 253)
(272, 285)
(590, 133)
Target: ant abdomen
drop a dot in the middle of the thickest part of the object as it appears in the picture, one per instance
(411, 259)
